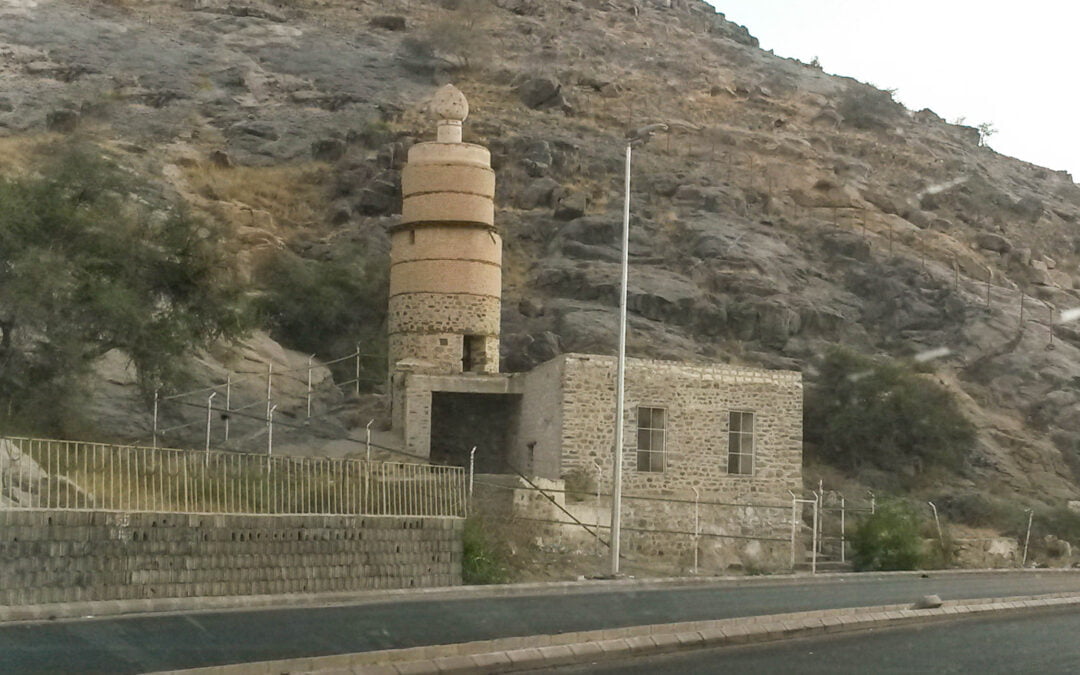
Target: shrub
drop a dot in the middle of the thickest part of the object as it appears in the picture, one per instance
(327, 307)
(884, 413)
(888, 539)
(483, 557)
(866, 107)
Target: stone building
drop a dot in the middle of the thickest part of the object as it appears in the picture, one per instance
(723, 433)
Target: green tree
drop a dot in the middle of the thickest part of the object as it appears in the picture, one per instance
(883, 413)
(88, 265)
(328, 307)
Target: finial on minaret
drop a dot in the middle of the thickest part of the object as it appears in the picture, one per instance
(450, 109)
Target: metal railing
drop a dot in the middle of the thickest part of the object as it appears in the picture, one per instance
(71, 475)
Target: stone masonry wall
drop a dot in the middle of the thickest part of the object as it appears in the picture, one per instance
(697, 399)
(71, 556)
(430, 327)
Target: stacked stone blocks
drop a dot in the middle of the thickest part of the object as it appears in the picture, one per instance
(70, 556)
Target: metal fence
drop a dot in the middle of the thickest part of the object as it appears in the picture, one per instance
(72, 475)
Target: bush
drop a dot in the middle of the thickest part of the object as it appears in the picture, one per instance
(888, 539)
(327, 307)
(883, 413)
(866, 107)
(484, 556)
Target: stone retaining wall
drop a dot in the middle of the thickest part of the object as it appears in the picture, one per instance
(71, 556)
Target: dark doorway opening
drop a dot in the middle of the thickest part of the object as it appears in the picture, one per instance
(472, 354)
(461, 421)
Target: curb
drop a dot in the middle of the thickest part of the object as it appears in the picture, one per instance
(116, 608)
(548, 651)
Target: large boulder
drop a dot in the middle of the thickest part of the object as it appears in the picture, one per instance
(542, 192)
(991, 241)
(536, 92)
(571, 205)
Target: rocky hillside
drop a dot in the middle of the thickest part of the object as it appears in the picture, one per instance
(786, 211)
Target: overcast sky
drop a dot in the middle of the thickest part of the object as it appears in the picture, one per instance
(1012, 65)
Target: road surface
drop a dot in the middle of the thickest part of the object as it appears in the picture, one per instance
(1036, 643)
(160, 642)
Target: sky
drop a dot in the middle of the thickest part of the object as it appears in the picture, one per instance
(1012, 65)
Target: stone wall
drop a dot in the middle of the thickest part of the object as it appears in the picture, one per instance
(536, 441)
(71, 556)
(697, 399)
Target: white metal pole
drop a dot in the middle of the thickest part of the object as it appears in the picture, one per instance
(269, 383)
(357, 368)
(309, 385)
(813, 558)
(228, 404)
(156, 391)
(616, 482)
(472, 468)
(843, 530)
(697, 528)
(270, 430)
(937, 521)
(794, 526)
(367, 438)
(209, 401)
(1031, 515)
(596, 515)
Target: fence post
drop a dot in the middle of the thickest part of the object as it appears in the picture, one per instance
(821, 516)
(367, 438)
(209, 409)
(697, 527)
(309, 385)
(794, 526)
(596, 510)
(472, 467)
(269, 383)
(156, 392)
(270, 430)
(937, 522)
(228, 404)
(1027, 538)
(843, 529)
(357, 388)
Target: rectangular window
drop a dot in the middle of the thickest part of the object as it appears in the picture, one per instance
(651, 426)
(740, 443)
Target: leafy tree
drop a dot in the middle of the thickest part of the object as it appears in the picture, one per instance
(888, 539)
(883, 413)
(86, 265)
(986, 130)
(327, 307)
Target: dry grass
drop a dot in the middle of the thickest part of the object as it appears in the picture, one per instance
(18, 153)
(294, 195)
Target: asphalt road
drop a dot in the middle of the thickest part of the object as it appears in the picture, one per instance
(1034, 643)
(160, 642)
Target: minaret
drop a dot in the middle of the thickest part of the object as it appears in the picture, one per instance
(446, 255)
